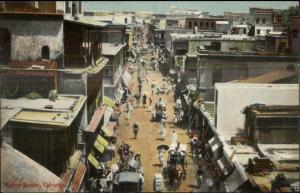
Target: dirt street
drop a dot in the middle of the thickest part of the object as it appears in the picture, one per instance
(148, 137)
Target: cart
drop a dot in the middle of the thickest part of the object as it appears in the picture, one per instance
(158, 183)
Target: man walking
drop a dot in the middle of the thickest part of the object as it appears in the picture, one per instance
(135, 129)
(150, 103)
(129, 110)
(161, 157)
(144, 100)
(199, 176)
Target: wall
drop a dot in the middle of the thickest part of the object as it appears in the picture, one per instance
(29, 34)
(236, 68)
(231, 98)
(225, 44)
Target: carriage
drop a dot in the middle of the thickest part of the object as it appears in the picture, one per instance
(176, 164)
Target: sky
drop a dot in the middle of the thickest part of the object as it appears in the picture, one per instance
(213, 7)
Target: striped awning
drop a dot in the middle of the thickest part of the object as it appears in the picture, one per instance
(107, 132)
(119, 91)
(101, 140)
(78, 177)
(126, 76)
(93, 161)
(98, 114)
(99, 146)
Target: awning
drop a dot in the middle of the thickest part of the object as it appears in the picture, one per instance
(98, 114)
(101, 140)
(78, 177)
(107, 132)
(126, 78)
(108, 101)
(214, 145)
(118, 94)
(236, 179)
(99, 146)
(134, 53)
(111, 125)
(94, 161)
(107, 116)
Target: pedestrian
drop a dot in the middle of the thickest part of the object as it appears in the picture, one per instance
(129, 110)
(164, 119)
(161, 157)
(144, 100)
(199, 176)
(162, 132)
(147, 79)
(150, 103)
(174, 137)
(140, 88)
(135, 129)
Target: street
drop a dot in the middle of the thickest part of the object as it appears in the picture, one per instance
(149, 137)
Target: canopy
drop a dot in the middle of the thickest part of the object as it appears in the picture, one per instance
(107, 115)
(107, 132)
(108, 101)
(99, 146)
(118, 94)
(94, 161)
(101, 140)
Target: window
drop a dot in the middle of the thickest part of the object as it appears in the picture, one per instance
(45, 52)
(206, 25)
(212, 25)
(268, 31)
(257, 21)
(264, 21)
(67, 8)
(125, 20)
(190, 25)
(195, 24)
(79, 7)
(5, 46)
(74, 9)
(295, 33)
(258, 31)
(36, 4)
(201, 24)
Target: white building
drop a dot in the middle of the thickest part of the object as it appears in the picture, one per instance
(232, 98)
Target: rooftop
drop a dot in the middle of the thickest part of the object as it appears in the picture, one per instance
(18, 170)
(86, 21)
(111, 49)
(270, 77)
(274, 110)
(214, 36)
(62, 112)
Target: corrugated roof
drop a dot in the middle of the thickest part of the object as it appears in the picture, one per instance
(98, 114)
(17, 168)
(111, 49)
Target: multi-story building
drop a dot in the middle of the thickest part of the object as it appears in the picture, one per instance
(202, 24)
(265, 20)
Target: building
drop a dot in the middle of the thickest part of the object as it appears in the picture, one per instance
(272, 124)
(224, 67)
(232, 98)
(277, 42)
(222, 27)
(202, 24)
(295, 35)
(52, 127)
(236, 18)
(265, 20)
(19, 173)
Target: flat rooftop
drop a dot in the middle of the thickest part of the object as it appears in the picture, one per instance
(62, 112)
(212, 36)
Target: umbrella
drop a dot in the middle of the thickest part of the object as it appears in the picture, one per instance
(163, 146)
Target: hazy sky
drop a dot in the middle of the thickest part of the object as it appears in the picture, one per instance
(213, 7)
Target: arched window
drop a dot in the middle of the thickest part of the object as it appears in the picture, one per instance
(201, 24)
(190, 25)
(206, 25)
(195, 24)
(5, 46)
(45, 52)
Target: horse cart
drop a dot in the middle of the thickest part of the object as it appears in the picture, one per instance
(176, 164)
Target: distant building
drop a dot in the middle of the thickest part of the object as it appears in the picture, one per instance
(236, 18)
(295, 34)
(265, 20)
(232, 98)
(272, 124)
(202, 24)
(277, 42)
